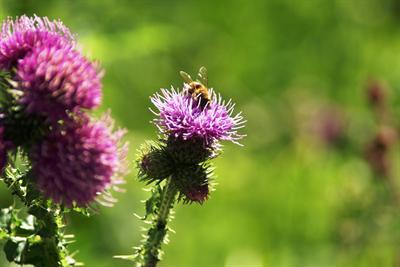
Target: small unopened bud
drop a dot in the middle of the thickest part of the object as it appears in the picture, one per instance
(377, 150)
(190, 151)
(193, 182)
(198, 193)
(154, 164)
(376, 94)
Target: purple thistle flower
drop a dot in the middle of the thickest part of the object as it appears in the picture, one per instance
(19, 37)
(57, 79)
(77, 163)
(182, 116)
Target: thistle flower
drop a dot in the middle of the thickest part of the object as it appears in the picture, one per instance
(19, 37)
(182, 116)
(79, 162)
(56, 80)
(192, 122)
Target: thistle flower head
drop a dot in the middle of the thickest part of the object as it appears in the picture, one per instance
(182, 116)
(79, 162)
(18, 37)
(58, 79)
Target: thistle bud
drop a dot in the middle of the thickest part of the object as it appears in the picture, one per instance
(376, 94)
(377, 150)
(154, 163)
(192, 182)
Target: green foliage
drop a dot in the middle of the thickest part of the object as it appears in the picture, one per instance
(22, 129)
(34, 234)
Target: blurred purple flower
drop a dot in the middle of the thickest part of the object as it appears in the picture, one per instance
(376, 93)
(377, 151)
(58, 79)
(79, 162)
(182, 116)
(18, 37)
(330, 125)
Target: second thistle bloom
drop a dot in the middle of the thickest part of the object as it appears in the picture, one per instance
(76, 164)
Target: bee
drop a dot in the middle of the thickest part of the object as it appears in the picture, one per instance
(198, 89)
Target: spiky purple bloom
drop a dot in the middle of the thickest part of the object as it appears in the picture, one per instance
(20, 36)
(75, 165)
(58, 79)
(182, 116)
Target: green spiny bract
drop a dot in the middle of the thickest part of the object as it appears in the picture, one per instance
(193, 182)
(20, 129)
(184, 161)
(190, 151)
(154, 163)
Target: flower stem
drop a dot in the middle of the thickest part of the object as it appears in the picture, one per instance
(156, 234)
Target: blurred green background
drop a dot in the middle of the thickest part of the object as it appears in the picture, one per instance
(291, 196)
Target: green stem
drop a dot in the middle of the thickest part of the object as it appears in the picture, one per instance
(15, 188)
(50, 234)
(156, 234)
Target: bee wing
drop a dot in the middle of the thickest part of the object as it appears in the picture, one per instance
(203, 76)
(186, 77)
